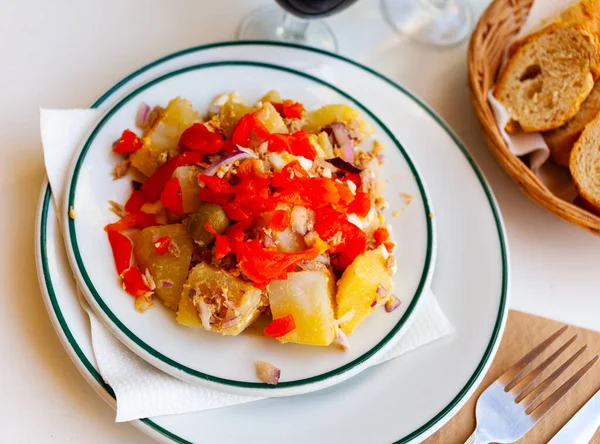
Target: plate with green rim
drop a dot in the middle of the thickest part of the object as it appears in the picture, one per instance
(223, 362)
(473, 291)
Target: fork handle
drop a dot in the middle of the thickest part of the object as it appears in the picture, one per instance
(476, 439)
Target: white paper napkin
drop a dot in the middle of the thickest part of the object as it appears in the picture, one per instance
(557, 179)
(141, 389)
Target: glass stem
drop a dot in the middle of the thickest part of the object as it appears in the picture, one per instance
(293, 29)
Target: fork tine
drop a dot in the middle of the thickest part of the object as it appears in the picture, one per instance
(551, 401)
(534, 393)
(523, 384)
(514, 373)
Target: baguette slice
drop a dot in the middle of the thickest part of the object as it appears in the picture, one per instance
(549, 76)
(585, 165)
(561, 140)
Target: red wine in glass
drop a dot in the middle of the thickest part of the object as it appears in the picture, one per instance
(314, 8)
(295, 23)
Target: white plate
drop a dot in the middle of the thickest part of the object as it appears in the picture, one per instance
(402, 401)
(223, 362)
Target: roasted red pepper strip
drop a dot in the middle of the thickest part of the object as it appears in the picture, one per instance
(262, 266)
(121, 248)
(249, 131)
(236, 231)
(280, 220)
(133, 282)
(223, 245)
(289, 109)
(161, 246)
(344, 237)
(154, 186)
(361, 205)
(137, 219)
(251, 169)
(297, 144)
(389, 246)
(135, 201)
(217, 184)
(199, 138)
(208, 195)
(381, 235)
(280, 327)
(128, 143)
(171, 197)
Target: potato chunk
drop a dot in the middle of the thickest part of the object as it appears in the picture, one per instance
(188, 179)
(271, 119)
(326, 115)
(223, 303)
(357, 288)
(160, 143)
(171, 267)
(308, 297)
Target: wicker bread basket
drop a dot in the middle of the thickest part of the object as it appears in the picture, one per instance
(496, 28)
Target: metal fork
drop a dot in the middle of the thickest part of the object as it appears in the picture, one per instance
(513, 404)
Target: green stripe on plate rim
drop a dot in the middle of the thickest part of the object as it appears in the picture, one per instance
(500, 229)
(427, 268)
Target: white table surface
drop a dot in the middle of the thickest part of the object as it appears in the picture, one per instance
(64, 53)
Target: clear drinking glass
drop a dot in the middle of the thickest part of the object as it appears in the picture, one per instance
(294, 23)
(436, 22)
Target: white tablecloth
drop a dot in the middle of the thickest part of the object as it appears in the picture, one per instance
(63, 54)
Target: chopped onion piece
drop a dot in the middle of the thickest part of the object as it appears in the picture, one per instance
(374, 303)
(381, 291)
(342, 137)
(391, 304)
(231, 322)
(347, 317)
(165, 284)
(228, 160)
(267, 373)
(141, 119)
(342, 339)
(205, 315)
(340, 163)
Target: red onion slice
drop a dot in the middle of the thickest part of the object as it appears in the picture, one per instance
(391, 304)
(165, 284)
(228, 160)
(342, 137)
(141, 119)
(267, 373)
(340, 163)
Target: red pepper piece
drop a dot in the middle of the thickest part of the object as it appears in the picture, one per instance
(199, 138)
(128, 143)
(297, 144)
(208, 195)
(249, 131)
(135, 201)
(236, 231)
(353, 177)
(389, 246)
(381, 235)
(217, 184)
(289, 109)
(261, 265)
(280, 220)
(121, 248)
(223, 245)
(236, 211)
(280, 327)
(137, 219)
(154, 186)
(171, 197)
(161, 246)
(346, 196)
(361, 205)
(351, 240)
(133, 282)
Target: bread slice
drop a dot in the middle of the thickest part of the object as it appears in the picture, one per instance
(549, 76)
(585, 164)
(561, 140)
(585, 13)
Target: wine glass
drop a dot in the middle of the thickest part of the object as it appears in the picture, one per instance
(297, 25)
(436, 22)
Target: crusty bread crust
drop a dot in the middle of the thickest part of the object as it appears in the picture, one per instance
(560, 141)
(584, 164)
(547, 79)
